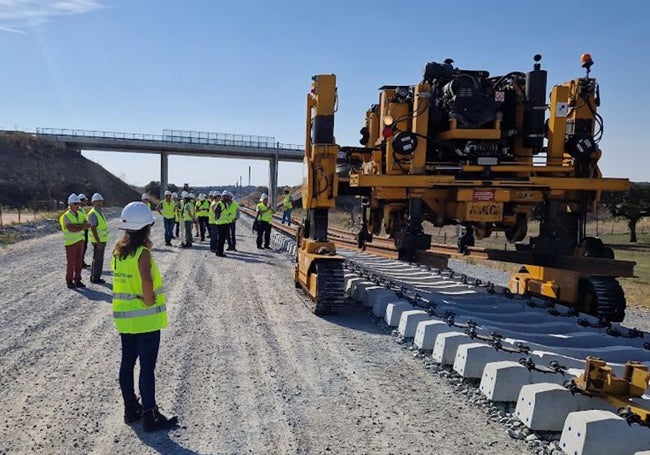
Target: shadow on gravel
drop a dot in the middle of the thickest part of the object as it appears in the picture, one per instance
(353, 316)
(97, 296)
(251, 259)
(161, 442)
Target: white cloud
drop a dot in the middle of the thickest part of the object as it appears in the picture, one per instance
(17, 13)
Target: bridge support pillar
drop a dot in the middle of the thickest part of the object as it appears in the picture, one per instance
(273, 179)
(164, 173)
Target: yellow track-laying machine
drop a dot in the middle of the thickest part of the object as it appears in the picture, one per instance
(462, 147)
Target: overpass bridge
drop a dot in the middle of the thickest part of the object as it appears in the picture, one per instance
(181, 142)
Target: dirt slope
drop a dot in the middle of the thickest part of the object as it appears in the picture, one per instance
(34, 172)
(243, 363)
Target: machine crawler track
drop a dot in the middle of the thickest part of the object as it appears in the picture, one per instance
(605, 297)
(330, 286)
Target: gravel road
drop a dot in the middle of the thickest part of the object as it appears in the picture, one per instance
(244, 364)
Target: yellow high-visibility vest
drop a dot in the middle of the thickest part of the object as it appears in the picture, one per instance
(188, 212)
(234, 206)
(102, 227)
(224, 216)
(211, 215)
(202, 209)
(286, 204)
(168, 209)
(265, 215)
(130, 313)
(69, 237)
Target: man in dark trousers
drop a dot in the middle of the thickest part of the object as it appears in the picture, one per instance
(222, 215)
(264, 217)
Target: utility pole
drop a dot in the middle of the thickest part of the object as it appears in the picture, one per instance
(249, 176)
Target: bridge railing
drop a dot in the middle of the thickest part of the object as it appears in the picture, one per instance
(178, 136)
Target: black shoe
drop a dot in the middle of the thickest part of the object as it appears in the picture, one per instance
(71, 285)
(154, 421)
(132, 412)
(79, 284)
(230, 249)
(222, 255)
(168, 243)
(260, 248)
(268, 248)
(98, 281)
(234, 249)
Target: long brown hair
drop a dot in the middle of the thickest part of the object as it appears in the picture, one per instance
(130, 242)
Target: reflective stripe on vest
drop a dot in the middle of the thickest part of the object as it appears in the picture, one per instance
(130, 314)
(211, 216)
(224, 216)
(102, 227)
(266, 214)
(70, 238)
(168, 209)
(139, 313)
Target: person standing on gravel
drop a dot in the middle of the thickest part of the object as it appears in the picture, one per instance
(202, 214)
(264, 217)
(177, 213)
(222, 217)
(98, 238)
(146, 200)
(287, 207)
(234, 216)
(73, 223)
(83, 206)
(167, 209)
(212, 222)
(140, 314)
(188, 219)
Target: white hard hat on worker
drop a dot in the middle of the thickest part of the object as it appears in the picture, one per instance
(135, 216)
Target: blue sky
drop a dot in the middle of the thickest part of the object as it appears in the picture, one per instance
(244, 67)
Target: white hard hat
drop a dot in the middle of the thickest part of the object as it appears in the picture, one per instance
(183, 194)
(145, 197)
(73, 199)
(201, 197)
(224, 193)
(82, 196)
(191, 196)
(135, 216)
(96, 197)
(263, 196)
(168, 193)
(174, 195)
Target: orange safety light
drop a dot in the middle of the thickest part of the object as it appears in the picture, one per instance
(586, 60)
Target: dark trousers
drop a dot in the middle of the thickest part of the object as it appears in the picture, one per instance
(74, 255)
(203, 226)
(232, 240)
(264, 229)
(188, 232)
(286, 215)
(214, 236)
(223, 230)
(143, 346)
(97, 266)
(169, 229)
(177, 225)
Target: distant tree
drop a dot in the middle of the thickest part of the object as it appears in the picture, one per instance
(152, 188)
(631, 205)
(173, 188)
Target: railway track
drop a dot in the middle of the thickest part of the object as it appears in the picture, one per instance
(514, 355)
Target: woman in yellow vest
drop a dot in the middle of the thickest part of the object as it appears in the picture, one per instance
(139, 313)
(73, 222)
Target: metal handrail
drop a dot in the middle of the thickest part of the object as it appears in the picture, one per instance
(178, 136)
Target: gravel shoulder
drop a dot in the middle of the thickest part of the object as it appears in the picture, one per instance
(244, 364)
